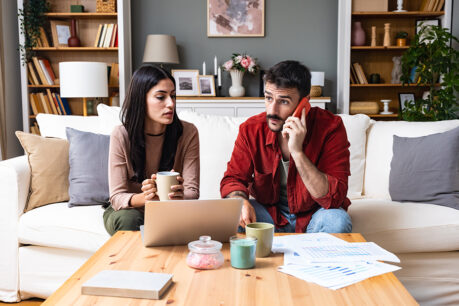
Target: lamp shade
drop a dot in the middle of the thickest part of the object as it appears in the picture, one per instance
(83, 79)
(317, 78)
(160, 48)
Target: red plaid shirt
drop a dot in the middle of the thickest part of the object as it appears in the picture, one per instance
(253, 167)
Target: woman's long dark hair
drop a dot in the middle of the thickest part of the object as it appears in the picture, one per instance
(133, 119)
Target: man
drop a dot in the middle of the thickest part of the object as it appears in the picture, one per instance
(296, 169)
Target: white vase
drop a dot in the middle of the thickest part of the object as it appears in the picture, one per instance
(236, 89)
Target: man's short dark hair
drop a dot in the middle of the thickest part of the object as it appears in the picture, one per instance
(290, 74)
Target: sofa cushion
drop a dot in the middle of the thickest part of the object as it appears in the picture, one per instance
(356, 130)
(379, 150)
(217, 135)
(109, 117)
(88, 159)
(406, 227)
(426, 169)
(49, 165)
(54, 125)
(57, 225)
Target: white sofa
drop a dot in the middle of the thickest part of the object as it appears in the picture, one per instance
(43, 247)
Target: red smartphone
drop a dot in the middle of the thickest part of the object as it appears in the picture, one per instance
(304, 103)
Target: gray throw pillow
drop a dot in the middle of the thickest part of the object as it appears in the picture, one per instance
(88, 159)
(426, 169)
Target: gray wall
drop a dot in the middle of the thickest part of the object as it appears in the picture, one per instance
(13, 103)
(304, 30)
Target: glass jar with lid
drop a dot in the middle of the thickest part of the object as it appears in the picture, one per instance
(205, 254)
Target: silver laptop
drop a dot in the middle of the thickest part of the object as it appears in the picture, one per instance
(179, 222)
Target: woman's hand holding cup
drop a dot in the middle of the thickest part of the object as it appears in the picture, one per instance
(149, 188)
(170, 185)
(177, 190)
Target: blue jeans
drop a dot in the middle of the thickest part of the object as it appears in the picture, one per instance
(334, 220)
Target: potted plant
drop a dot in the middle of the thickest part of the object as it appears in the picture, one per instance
(401, 38)
(433, 60)
(32, 18)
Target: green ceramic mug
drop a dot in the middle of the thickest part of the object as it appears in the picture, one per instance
(264, 232)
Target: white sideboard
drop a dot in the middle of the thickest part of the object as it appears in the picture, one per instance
(230, 106)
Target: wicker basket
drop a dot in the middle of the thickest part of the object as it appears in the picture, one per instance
(106, 6)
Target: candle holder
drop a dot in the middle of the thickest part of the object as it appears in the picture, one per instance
(386, 107)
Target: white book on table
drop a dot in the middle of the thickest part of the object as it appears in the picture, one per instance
(132, 284)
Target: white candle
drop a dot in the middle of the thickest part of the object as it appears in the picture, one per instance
(215, 65)
(203, 68)
(219, 76)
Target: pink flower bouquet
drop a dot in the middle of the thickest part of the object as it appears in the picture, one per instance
(242, 62)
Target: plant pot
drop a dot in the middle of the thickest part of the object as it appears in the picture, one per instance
(401, 42)
(236, 89)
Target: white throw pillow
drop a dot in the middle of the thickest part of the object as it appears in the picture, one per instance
(54, 125)
(356, 130)
(217, 135)
(109, 118)
(379, 150)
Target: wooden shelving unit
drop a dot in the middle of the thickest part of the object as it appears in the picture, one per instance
(87, 27)
(379, 59)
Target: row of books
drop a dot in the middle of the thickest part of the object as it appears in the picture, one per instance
(107, 36)
(34, 129)
(42, 41)
(432, 5)
(357, 74)
(49, 103)
(40, 72)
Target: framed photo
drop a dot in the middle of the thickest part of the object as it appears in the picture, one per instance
(403, 98)
(60, 31)
(426, 22)
(186, 82)
(236, 18)
(262, 83)
(206, 84)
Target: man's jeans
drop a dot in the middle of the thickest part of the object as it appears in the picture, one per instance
(324, 220)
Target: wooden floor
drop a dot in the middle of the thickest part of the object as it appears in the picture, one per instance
(31, 302)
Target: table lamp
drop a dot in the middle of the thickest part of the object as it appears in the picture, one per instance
(83, 80)
(317, 82)
(160, 48)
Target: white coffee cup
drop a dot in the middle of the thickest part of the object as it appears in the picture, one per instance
(164, 181)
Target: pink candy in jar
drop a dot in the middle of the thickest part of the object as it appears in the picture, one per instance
(205, 254)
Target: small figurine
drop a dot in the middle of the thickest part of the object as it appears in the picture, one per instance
(396, 70)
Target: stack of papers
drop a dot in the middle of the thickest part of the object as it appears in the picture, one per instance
(331, 262)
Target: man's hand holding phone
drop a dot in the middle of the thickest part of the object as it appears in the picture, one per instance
(294, 128)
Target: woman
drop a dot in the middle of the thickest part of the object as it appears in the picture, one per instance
(151, 139)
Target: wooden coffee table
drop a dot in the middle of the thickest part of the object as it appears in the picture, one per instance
(263, 285)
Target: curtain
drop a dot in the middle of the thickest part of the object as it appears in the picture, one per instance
(2, 94)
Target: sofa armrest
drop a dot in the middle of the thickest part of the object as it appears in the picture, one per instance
(14, 189)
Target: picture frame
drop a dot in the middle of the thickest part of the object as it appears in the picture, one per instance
(403, 97)
(237, 18)
(206, 85)
(186, 82)
(60, 30)
(426, 22)
(262, 83)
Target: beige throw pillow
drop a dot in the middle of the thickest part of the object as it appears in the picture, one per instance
(49, 165)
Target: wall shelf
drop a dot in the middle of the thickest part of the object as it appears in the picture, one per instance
(378, 48)
(74, 49)
(82, 15)
(398, 14)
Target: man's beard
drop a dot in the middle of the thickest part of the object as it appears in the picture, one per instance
(277, 118)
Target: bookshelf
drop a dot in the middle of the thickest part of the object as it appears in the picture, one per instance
(88, 24)
(378, 59)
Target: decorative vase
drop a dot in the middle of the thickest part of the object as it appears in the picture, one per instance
(386, 35)
(236, 89)
(358, 34)
(73, 40)
(373, 36)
